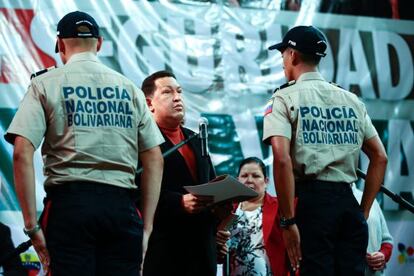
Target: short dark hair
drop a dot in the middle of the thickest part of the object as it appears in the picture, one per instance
(148, 85)
(309, 59)
(255, 160)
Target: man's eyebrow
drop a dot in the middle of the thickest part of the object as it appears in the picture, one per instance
(171, 87)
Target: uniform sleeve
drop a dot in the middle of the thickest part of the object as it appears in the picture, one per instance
(149, 134)
(369, 128)
(29, 120)
(276, 120)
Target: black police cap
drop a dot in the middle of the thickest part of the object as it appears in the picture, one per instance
(77, 24)
(305, 39)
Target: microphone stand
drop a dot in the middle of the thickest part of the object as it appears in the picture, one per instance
(396, 198)
(226, 265)
(171, 150)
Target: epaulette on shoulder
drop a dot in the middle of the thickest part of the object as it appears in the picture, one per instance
(337, 85)
(38, 73)
(290, 83)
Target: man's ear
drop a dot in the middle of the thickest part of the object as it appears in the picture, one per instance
(149, 103)
(295, 57)
(61, 45)
(99, 44)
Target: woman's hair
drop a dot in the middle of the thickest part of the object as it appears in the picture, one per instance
(255, 160)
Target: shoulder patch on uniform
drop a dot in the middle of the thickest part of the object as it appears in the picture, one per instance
(284, 86)
(274, 91)
(268, 107)
(290, 83)
(337, 85)
(38, 73)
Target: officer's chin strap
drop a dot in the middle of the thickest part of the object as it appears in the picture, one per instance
(396, 198)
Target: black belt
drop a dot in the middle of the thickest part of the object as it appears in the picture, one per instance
(92, 187)
(321, 185)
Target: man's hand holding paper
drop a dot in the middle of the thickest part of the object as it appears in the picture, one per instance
(196, 203)
(223, 188)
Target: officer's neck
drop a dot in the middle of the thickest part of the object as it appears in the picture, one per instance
(66, 56)
(302, 69)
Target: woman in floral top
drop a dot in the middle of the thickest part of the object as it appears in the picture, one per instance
(256, 246)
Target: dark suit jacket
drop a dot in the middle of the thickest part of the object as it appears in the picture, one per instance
(181, 243)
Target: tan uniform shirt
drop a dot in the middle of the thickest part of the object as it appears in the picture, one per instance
(326, 124)
(94, 121)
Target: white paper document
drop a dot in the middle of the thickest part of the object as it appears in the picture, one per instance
(223, 188)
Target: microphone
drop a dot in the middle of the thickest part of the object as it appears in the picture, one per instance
(203, 135)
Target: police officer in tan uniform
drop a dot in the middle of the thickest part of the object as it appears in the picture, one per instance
(316, 131)
(93, 122)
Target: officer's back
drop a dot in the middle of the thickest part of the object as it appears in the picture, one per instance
(328, 124)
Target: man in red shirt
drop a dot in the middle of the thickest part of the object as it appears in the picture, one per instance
(183, 238)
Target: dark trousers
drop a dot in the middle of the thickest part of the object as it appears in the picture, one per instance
(334, 232)
(183, 256)
(92, 229)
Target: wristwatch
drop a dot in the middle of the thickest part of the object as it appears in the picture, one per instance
(31, 232)
(285, 222)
